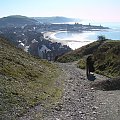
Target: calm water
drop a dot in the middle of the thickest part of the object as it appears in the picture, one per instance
(76, 40)
(115, 35)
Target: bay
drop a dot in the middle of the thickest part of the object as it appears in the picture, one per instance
(78, 39)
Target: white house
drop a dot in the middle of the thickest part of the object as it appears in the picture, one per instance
(44, 52)
(21, 45)
(34, 41)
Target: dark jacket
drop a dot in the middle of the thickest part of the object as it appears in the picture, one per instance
(90, 64)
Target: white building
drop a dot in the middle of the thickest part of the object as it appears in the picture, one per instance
(34, 41)
(44, 52)
(21, 45)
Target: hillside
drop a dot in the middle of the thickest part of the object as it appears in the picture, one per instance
(79, 53)
(56, 19)
(106, 54)
(31, 90)
(16, 20)
(25, 81)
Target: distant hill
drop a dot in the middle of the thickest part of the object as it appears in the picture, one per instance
(106, 54)
(56, 19)
(25, 81)
(16, 20)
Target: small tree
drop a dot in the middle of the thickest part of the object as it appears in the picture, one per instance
(101, 37)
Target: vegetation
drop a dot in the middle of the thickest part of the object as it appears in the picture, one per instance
(106, 54)
(25, 82)
(107, 59)
(79, 53)
(16, 20)
(56, 19)
(81, 64)
(101, 37)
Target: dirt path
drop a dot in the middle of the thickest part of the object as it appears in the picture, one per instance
(78, 98)
(80, 101)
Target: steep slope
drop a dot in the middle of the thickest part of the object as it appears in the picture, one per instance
(25, 82)
(106, 54)
(79, 53)
(107, 59)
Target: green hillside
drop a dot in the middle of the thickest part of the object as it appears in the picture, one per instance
(79, 53)
(107, 59)
(16, 20)
(25, 81)
(106, 54)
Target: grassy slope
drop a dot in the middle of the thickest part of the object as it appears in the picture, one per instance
(107, 59)
(25, 81)
(106, 54)
(79, 53)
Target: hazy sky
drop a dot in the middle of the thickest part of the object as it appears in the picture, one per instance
(105, 10)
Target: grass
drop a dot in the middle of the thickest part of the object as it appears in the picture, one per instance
(81, 64)
(107, 59)
(25, 82)
(79, 53)
(106, 54)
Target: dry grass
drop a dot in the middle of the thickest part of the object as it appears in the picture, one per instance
(25, 82)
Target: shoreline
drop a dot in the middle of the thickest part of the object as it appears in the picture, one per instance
(72, 43)
(50, 35)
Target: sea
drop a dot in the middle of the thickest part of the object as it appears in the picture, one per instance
(78, 39)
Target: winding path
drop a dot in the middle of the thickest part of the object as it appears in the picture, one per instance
(80, 101)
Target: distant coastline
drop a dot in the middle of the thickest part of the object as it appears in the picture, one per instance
(78, 39)
(84, 31)
(72, 43)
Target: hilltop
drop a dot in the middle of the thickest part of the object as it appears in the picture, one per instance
(25, 81)
(19, 20)
(16, 20)
(106, 54)
(56, 19)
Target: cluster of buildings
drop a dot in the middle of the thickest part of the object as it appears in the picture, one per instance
(31, 40)
(47, 49)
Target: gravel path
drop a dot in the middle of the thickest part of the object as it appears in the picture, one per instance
(78, 98)
(80, 101)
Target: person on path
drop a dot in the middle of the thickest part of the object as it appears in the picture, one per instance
(89, 65)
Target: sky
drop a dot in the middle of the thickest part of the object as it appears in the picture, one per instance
(99, 10)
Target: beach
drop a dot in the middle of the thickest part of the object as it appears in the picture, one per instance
(74, 42)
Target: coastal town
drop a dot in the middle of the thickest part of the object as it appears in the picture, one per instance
(33, 38)
(60, 60)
